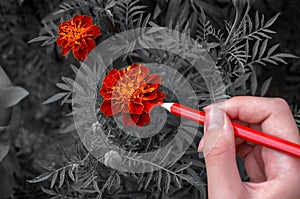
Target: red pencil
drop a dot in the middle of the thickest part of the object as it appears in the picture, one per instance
(240, 131)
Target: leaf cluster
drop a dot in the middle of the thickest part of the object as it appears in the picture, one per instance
(236, 50)
(245, 47)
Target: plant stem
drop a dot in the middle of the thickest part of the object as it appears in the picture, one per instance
(156, 165)
(237, 16)
(246, 13)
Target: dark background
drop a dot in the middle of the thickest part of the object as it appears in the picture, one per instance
(37, 69)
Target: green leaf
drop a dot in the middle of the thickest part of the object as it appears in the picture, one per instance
(49, 192)
(88, 181)
(167, 182)
(272, 20)
(68, 129)
(4, 146)
(11, 96)
(181, 193)
(256, 20)
(95, 186)
(265, 87)
(149, 178)
(198, 163)
(255, 50)
(74, 69)
(111, 4)
(159, 178)
(4, 79)
(212, 45)
(40, 178)
(240, 81)
(177, 181)
(55, 98)
(286, 55)
(70, 173)
(40, 38)
(272, 49)
(183, 167)
(263, 48)
(253, 82)
(188, 178)
(62, 177)
(278, 59)
(64, 87)
(54, 177)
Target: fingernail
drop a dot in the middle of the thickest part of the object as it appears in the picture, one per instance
(207, 107)
(200, 147)
(218, 105)
(214, 121)
(214, 118)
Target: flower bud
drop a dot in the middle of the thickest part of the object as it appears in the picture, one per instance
(95, 127)
(239, 4)
(113, 159)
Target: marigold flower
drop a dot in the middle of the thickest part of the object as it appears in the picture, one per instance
(77, 35)
(131, 92)
(113, 159)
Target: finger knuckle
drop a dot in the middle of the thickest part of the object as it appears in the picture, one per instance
(280, 103)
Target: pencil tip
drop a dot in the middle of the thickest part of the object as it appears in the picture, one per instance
(167, 106)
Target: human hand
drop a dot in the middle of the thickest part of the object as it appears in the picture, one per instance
(273, 174)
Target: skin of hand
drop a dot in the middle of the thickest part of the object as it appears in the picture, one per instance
(273, 174)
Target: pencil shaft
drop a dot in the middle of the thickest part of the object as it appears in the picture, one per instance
(241, 131)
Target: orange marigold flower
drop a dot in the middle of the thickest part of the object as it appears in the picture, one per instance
(77, 35)
(131, 92)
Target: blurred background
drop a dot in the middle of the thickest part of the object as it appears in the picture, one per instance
(38, 69)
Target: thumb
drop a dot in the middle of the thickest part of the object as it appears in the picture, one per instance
(219, 153)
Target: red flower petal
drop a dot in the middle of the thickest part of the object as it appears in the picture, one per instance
(59, 41)
(144, 70)
(86, 21)
(154, 79)
(76, 19)
(109, 80)
(161, 94)
(150, 96)
(82, 44)
(126, 108)
(106, 93)
(127, 120)
(63, 25)
(134, 118)
(149, 88)
(144, 119)
(80, 55)
(90, 44)
(65, 50)
(136, 108)
(93, 31)
(116, 108)
(117, 76)
(137, 100)
(132, 66)
(147, 106)
(106, 108)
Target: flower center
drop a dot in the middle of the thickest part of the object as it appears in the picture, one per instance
(74, 33)
(124, 91)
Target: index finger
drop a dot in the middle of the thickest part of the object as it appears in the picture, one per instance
(273, 114)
